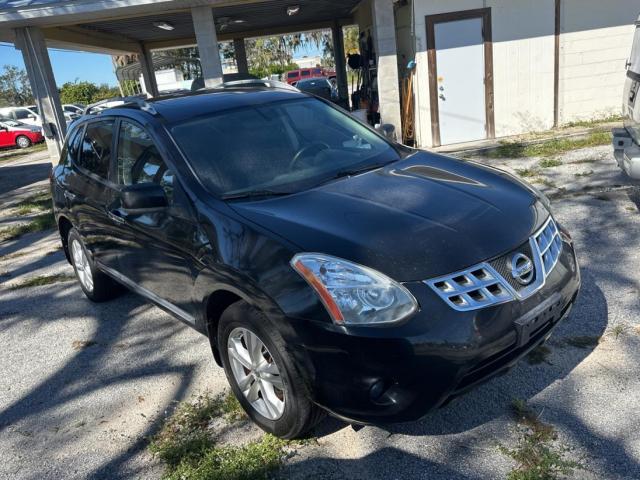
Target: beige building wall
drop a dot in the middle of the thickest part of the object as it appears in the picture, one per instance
(594, 47)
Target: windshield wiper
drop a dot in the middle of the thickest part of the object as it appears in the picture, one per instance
(254, 194)
(355, 171)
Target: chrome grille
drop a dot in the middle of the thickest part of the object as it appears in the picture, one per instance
(491, 283)
(471, 289)
(549, 245)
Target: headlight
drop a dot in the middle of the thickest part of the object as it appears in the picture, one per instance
(353, 294)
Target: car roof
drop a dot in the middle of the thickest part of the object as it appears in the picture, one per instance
(180, 107)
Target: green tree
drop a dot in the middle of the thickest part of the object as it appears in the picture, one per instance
(86, 93)
(14, 87)
(78, 92)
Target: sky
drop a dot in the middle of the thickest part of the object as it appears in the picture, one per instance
(93, 67)
(67, 65)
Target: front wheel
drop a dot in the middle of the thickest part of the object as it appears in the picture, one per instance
(263, 375)
(96, 285)
(23, 142)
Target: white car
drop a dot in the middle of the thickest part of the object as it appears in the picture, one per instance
(30, 115)
(626, 141)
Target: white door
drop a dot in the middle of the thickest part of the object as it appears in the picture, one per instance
(460, 80)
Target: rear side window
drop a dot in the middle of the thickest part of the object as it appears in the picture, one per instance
(317, 71)
(139, 160)
(305, 73)
(95, 150)
(292, 74)
(21, 114)
(70, 150)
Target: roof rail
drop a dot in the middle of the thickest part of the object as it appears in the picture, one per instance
(256, 82)
(138, 101)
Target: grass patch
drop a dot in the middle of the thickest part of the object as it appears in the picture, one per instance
(539, 355)
(618, 330)
(585, 174)
(46, 221)
(583, 341)
(549, 148)
(39, 202)
(252, 461)
(42, 280)
(188, 447)
(593, 122)
(18, 152)
(543, 181)
(185, 435)
(537, 455)
(527, 172)
(550, 163)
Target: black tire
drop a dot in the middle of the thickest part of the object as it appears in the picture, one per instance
(23, 142)
(300, 414)
(104, 287)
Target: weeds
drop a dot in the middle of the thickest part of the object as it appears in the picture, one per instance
(20, 152)
(39, 202)
(585, 174)
(549, 148)
(527, 172)
(536, 454)
(618, 330)
(539, 355)
(583, 341)
(550, 163)
(593, 122)
(40, 223)
(42, 280)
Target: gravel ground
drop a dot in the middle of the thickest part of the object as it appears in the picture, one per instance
(83, 385)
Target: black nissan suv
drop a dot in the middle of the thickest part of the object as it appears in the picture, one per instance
(331, 269)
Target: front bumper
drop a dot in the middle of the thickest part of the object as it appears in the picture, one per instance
(400, 373)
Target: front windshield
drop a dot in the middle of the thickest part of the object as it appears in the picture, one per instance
(280, 147)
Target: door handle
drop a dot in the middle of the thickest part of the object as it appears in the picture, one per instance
(70, 196)
(115, 217)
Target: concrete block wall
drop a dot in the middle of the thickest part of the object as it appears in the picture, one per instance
(594, 47)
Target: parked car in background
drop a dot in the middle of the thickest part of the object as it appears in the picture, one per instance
(320, 86)
(73, 109)
(198, 83)
(17, 134)
(294, 76)
(30, 115)
(331, 269)
(626, 141)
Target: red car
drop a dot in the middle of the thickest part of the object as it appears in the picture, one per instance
(295, 76)
(17, 134)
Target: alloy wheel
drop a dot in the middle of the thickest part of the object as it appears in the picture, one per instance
(256, 373)
(23, 142)
(81, 262)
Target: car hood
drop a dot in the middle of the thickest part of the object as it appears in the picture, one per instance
(25, 128)
(418, 218)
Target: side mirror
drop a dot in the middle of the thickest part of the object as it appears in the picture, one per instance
(387, 130)
(144, 196)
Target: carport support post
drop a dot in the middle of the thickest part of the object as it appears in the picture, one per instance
(148, 72)
(30, 41)
(341, 66)
(240, 54)
(388, 80)
(207, 39)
